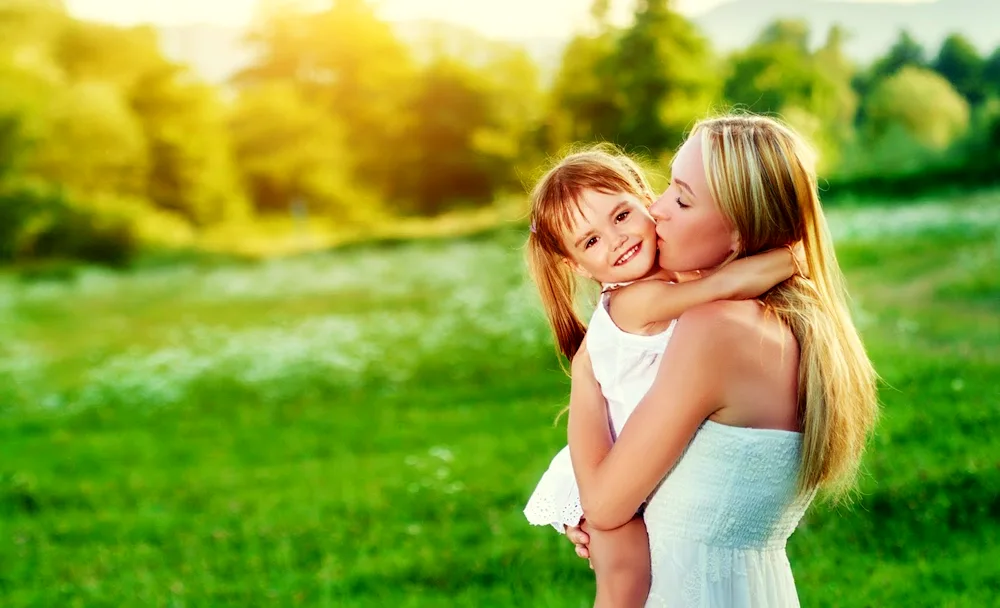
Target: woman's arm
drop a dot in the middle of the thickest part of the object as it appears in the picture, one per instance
(641, 305)
(615, 478)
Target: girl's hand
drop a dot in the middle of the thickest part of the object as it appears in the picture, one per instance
(752, 276)
(580, 538)
(798, 252)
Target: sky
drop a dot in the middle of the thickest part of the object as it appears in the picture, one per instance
(495, 18)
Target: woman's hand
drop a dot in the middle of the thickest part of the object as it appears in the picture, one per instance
(579, 537)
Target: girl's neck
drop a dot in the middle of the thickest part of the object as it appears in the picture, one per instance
(659, 274)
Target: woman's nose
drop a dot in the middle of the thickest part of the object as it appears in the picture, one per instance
(659, 209)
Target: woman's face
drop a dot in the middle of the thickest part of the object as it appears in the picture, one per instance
(692, 232)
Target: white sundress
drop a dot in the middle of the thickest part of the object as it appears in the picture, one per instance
(625, 365)
(719, 521)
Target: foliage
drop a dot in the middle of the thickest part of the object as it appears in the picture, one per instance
(344, 120)
(905, 52)
(290, 151)
(778, 74)
(665, 78)
(922, 103)
(959, 62)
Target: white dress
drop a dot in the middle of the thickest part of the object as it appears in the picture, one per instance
(625, 365)
(719, 520)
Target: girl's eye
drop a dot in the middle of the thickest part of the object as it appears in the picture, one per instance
(591, 241)
(621, 216)
(680, 204)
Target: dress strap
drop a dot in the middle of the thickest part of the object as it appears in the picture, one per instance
(606, 287)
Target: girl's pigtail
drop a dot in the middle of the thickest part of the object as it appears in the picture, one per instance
(557, 288)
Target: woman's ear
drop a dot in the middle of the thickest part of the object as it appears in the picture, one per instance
(736, 242)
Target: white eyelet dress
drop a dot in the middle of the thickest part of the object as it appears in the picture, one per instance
(625, 365)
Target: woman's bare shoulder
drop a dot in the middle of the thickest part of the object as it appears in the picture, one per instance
(727, 324)
(754, 357)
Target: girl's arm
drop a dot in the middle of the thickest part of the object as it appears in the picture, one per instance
(589, 429)
(616, 477)
(638, 307)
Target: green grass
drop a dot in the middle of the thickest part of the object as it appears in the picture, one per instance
(361, 428)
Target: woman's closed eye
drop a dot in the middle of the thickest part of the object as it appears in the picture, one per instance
(680, 204)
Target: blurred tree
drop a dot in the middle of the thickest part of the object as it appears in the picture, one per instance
(352, 63)
(585, 104)
(905, 52)
(991, 74)
(516, 107)
(959, 62)
(812, 91)
(793, 33)
(920, 101)
(88, 51)
(289, 151)
(92, 143)
(12, 144)
(665, 78)
(774, 72)
(191, 168)
(441, 166)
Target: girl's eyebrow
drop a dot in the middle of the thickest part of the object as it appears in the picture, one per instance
(618, 208)
(585, 236)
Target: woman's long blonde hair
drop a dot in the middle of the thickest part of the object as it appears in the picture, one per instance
(555, 201)
(762, 175)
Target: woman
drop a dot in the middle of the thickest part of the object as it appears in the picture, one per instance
(756, 404)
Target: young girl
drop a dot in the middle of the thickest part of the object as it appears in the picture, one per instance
(589, 218)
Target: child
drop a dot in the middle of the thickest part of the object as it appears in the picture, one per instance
(589, 218)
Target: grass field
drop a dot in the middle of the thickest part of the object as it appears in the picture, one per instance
(361, 428)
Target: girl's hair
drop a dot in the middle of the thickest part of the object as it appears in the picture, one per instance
(555, 201)
(762, 174)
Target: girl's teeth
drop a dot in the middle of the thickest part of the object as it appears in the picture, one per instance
(627, 256)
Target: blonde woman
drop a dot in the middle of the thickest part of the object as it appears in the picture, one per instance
(756, 404)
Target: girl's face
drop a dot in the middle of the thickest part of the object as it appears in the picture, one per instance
(693, 233)
(612, 239)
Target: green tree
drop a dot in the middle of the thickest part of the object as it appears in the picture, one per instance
(441, 166)
(922, 103)
(92, 143)
(778, 73)
(290, 151)
(959, 62)
(905, 52)
(665, 77)
(585, 104)
(353, 64)
(191, 169)
(991, 73)
(792, 33)
(88, 51)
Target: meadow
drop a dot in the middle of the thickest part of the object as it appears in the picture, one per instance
(360, 428)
